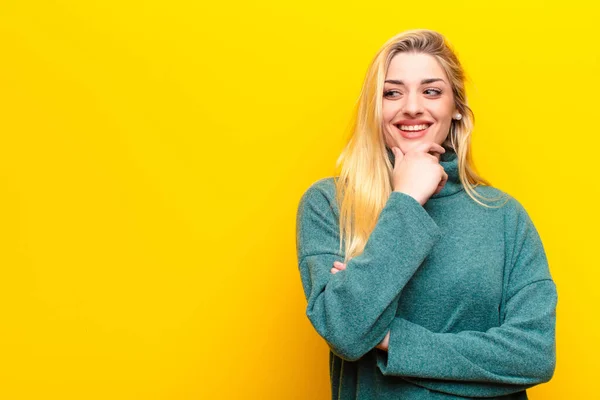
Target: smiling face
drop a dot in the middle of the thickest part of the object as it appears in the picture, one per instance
(418, 103)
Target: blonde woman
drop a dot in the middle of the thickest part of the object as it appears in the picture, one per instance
(425, 281)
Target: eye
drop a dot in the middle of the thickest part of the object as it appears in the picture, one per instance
(433, 92)
(391, 94)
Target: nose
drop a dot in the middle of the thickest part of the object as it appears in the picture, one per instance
(413, 105)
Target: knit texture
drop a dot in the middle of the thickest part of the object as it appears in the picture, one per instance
(464, 290)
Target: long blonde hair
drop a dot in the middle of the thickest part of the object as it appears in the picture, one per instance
(364, 183)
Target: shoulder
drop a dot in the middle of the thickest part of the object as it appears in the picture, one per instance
(319, 202)
(507, 207)
(320, 191)
(517, 221)
(500, 199)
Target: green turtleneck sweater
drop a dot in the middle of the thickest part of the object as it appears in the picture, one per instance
(464, 290)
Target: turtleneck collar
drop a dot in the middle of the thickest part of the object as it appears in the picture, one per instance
(448, 160)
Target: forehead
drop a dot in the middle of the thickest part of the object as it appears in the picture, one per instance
(413, 67)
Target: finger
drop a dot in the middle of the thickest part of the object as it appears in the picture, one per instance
(334, 270)
(430, 147)
(398, 154)
(437, 148)
(339, 265)
(442, 183)
(436, 151)
(434, 156)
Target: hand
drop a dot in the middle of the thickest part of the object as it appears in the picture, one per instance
(418, 173)
(384, 344)
(339, 266)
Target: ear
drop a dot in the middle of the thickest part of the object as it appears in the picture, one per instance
(455, 111)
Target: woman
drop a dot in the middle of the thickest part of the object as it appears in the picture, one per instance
(425, 281)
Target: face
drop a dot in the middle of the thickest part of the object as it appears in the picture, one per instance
(418, 103)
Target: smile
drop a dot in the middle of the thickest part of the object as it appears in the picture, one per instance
(412, 128)
(413, 131)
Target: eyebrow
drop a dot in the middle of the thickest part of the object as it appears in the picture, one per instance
(423, 82)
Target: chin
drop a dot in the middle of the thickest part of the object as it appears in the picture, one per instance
(408, 144)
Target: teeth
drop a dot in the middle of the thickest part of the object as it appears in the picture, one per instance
(413, 127)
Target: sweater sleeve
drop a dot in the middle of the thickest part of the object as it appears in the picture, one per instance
(353, 308)
(512, 357)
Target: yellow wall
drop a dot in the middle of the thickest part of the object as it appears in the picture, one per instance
(153, 153)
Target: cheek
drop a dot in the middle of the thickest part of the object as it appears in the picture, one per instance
(442, 112)
(388, 111)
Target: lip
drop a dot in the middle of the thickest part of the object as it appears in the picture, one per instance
(413, 122)
(413, 134)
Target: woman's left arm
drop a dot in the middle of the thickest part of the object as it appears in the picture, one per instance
(512, 357)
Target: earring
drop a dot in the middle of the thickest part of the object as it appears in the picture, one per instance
(458, 116)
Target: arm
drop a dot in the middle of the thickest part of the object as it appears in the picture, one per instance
(352, 309)
(516, 355)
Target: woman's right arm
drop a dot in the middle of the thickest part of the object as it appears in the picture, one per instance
(353, 309)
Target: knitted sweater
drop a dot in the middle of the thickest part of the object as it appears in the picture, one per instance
(464, 290)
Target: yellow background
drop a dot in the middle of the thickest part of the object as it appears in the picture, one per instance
(152, 156)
